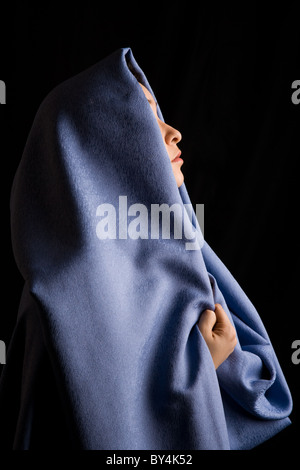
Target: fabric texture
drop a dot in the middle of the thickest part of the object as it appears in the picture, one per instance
(106, 352)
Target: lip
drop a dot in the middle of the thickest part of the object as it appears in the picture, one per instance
(177, 158)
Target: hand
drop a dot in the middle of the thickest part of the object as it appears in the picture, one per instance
(218, 333)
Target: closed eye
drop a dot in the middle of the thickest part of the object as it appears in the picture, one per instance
(151, 101)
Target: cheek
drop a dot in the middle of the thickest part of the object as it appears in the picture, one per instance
(169, 151)
(163, 134)
(161, 128)
(168, 148)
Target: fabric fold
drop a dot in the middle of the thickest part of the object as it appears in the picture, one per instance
(118, 338)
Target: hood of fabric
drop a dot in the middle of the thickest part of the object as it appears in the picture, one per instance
(119, 314)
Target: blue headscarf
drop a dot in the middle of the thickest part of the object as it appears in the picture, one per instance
(106, 351)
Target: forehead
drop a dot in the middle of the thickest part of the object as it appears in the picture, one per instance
(146, 92)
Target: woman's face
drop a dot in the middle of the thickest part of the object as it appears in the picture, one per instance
(171, 137)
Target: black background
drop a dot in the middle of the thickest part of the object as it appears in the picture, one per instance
(222, 74)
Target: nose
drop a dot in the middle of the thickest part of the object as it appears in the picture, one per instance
(172, 135)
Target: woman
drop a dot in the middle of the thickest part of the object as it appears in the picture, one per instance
(215, 327)
(124, 340)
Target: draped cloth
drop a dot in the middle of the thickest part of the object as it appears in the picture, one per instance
(106, 352)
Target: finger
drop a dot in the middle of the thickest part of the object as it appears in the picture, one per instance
(224, 325)
(221, 315)
(207, 320)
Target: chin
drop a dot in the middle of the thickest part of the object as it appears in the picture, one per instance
(179, 179)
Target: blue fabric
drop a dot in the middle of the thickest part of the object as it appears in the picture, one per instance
(106, 353)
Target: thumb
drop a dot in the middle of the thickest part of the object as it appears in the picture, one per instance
(207, 321)
(221, 315)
